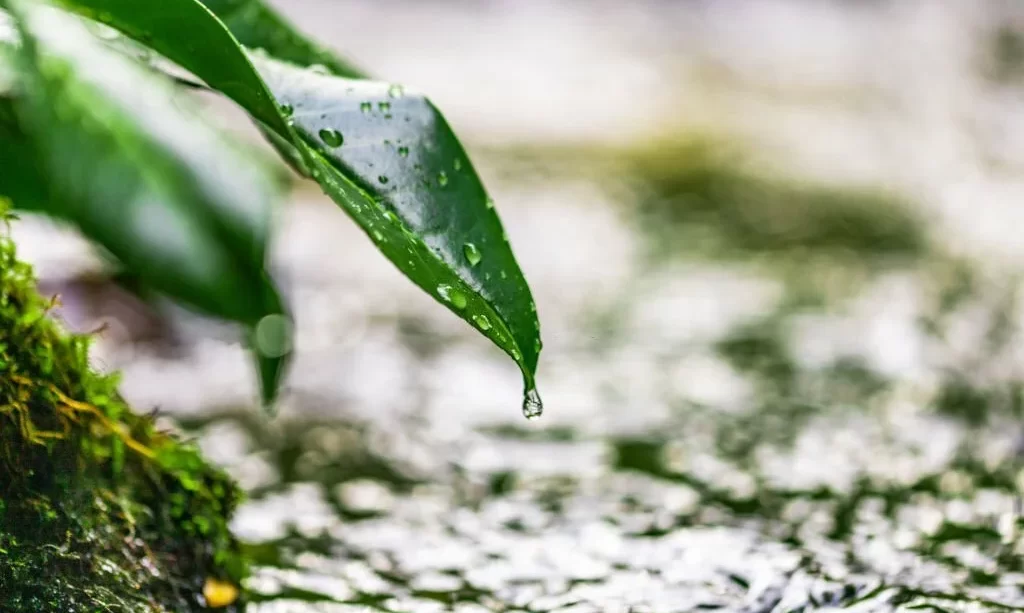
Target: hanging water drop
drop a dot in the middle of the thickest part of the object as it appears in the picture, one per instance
(331, 138)
(287, 110)
(403, 151)
(533, 407)
(320, 69)
(365, 107)
(384, 106)
(472, 253)
(452, 295)
(396, 91)
(383, 179)
(482, 322)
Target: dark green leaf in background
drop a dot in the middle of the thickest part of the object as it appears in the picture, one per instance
(129, 163)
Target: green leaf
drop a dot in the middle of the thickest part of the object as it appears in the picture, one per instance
(131, 165)
(388, 157)
(419, 200)
(258, 26)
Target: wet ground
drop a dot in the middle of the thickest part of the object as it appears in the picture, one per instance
(782, 363)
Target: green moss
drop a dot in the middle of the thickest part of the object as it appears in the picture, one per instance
(99, 510)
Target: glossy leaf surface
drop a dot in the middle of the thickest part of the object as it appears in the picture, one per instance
(259, 26)
(389, 158)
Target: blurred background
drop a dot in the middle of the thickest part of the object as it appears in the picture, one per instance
(775, 249)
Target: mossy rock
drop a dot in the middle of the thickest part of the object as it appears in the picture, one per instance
(99, 510)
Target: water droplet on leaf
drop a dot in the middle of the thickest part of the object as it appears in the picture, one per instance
(103, 31)
(452, 295)
(457, 165)
(331, 138)
(442, 178)
(287, 110)
(320, 69)
(482, 322)
(472, 253)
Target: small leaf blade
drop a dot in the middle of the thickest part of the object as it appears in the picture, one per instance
(413, 186)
